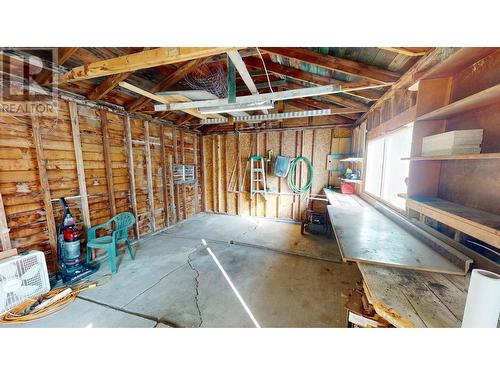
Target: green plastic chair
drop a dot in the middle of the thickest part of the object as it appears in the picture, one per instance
(122, 222)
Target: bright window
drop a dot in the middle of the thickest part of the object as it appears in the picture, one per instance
(385, 171)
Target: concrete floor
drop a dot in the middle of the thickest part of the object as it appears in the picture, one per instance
(285, 279)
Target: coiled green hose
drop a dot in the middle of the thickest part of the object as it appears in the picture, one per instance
(291, 174)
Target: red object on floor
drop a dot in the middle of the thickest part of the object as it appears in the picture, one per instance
(346, 188)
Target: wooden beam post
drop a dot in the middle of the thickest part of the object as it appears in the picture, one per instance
(220, 193)
(231, 81)
(183, 161)
(130, 154)
(44, 186)
(149, 175)
(176, 187)
(195, 152)
(75, 128)
(164, 177)
(4, 229)
(107, 161)
(266, 146)
(172, 189)
(224, 171)
(214, 176)
(238, 152)
(202, 169)
(278, 198)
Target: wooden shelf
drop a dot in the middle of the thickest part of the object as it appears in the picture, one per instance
(353, 181)
(475, 101)
(479, 224)
(485, 156)
(353, 160)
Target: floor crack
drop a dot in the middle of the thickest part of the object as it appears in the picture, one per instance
(196, 286)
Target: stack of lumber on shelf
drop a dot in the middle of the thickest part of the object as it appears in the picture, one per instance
(453, 142)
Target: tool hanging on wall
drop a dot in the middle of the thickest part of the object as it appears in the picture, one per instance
(291, 183)
(257, 177)
(285, 166)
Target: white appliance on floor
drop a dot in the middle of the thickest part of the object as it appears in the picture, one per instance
(22, 277)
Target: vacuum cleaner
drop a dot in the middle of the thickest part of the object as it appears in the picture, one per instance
(69, 250)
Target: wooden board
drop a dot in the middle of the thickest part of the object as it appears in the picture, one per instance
(486, 156)
(367, 236)
(476, 223)
(408, 298)
(470, 103)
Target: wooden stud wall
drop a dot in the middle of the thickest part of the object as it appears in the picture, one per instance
(87, 156)
(227, 171)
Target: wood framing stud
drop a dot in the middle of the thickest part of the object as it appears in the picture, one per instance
(203, 165)
(75, 128)
(44, 186)
(164, 176)
(196, 184)
(107, 161)
(130, 154)
(172, 189)
(183, 161)
(176, 187)
(4, 229)
(149, 176)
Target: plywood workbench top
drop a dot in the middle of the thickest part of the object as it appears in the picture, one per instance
(404, 297)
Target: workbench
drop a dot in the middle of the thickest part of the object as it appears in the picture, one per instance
(405, 297)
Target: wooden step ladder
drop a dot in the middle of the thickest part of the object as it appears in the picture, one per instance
(257, 177)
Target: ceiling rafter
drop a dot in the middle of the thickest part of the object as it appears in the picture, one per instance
(350, 67)
(334, 117)
(167, 83)
(140, 60)
(337, 99)
(303, 76)
(350, 113)
(298, 74)
(182, 120)
(63, 54)
(109, 84)
(166, 99)
(408, 51)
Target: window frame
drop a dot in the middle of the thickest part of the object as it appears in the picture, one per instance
(372, 196)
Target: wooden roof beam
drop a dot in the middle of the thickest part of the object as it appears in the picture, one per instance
(63, 54)
(299, 74)
(240, 66)
(108, 85)
(168, 82)
(341, 119)
(140, 60)
(408, 51)
(350, 67)
(337, 99)
(166, 99)
(182, 120)
(350, 113)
